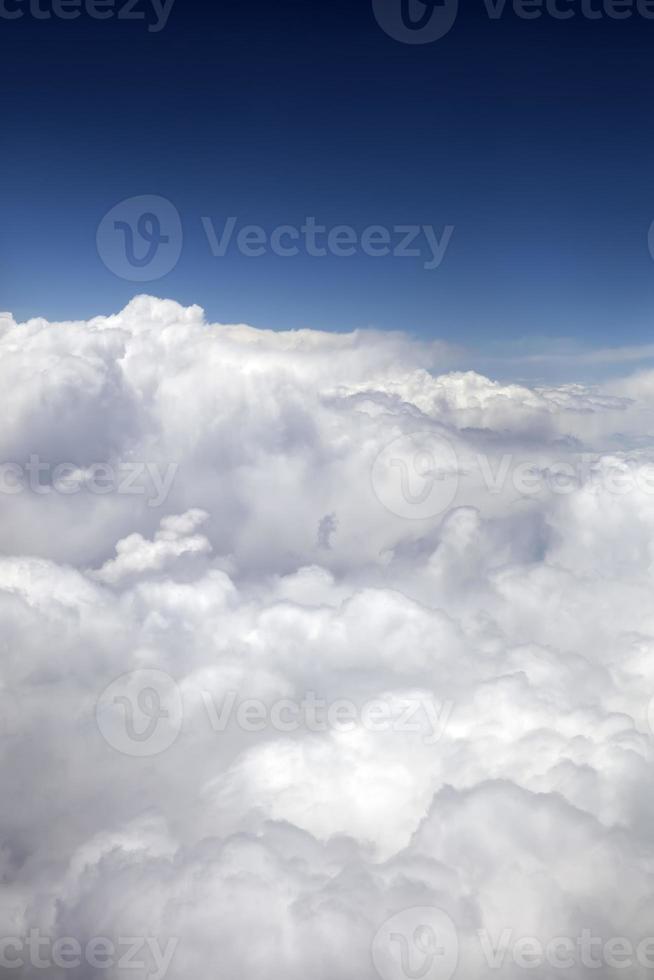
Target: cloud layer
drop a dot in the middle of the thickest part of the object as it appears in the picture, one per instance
(299, 634)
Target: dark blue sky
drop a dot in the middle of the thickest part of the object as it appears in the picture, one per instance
(533, 138)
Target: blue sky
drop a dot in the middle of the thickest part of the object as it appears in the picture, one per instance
(532, 139)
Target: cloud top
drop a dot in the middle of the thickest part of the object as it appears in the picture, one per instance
(306, 632)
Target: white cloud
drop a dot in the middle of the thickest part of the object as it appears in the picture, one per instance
(523, 608)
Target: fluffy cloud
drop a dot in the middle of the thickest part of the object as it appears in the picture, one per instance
(300, 634)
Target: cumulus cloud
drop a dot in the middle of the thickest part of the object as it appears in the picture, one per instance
(315, 651)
